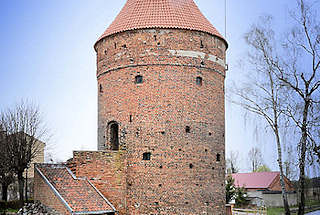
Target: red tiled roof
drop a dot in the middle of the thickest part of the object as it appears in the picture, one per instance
(141, 14)
(254, 180)
(80, 195)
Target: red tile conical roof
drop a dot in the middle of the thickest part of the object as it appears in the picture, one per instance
(141, 14)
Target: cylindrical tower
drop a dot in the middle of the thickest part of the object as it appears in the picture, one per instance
(160, 72)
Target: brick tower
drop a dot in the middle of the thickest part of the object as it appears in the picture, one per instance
(160, 71)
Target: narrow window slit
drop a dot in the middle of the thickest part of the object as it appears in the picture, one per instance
(187, 129)
(218, 157)
(201, 44)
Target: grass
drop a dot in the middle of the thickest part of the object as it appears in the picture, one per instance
(275, 211)
(280, 210)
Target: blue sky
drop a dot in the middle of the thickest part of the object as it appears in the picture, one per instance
(47, 57)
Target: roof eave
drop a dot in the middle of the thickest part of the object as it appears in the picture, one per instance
(158, 27)
(93, 212)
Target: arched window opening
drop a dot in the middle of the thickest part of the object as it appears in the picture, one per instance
(114, 136)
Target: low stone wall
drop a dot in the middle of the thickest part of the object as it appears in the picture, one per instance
(275, 200)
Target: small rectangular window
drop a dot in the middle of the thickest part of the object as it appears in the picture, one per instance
(199, 81)
(146, 156)
(187, 129)
(139, 79)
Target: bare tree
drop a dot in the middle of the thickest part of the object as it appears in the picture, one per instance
(24, 127)
(6, 174)
(293, 63)
(255, 158)
(264, 94)
(232, 162)
(300, 73)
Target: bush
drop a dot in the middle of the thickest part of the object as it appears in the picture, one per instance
(15, 204)
(3, 205)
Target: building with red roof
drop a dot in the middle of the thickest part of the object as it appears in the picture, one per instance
(264, 188)
(266, 181)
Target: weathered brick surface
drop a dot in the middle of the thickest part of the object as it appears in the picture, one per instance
(106, 170)
(183, 176)
(44, 194)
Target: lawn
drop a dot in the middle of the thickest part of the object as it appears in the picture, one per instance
(277, 211)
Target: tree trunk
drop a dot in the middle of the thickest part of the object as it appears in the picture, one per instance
(4, 192)
(303, 148)
(283, 187)
(21, 185)
(26, 190)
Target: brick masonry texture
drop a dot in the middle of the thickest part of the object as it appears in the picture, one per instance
(183, 175)
(107, 172)
(46, 196)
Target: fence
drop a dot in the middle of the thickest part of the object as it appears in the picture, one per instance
(259, 211)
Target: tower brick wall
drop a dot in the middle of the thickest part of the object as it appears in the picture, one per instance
(176, 115)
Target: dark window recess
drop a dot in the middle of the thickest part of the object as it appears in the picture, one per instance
(202, 63)
(206, 150)
(130, 118)
(114, 136)
(139, 79)
(187, 129)
(124, 46)
(160, 185)
(187, 203)
(218, 157)
(115, 45)
(100, 88)
(210, 133)
(201, 44)
(105, 52)
(160, 166)
(199, 81)
(155, 37)
(146, 156)
(191, 166)
(158, 43)
(162, 132)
